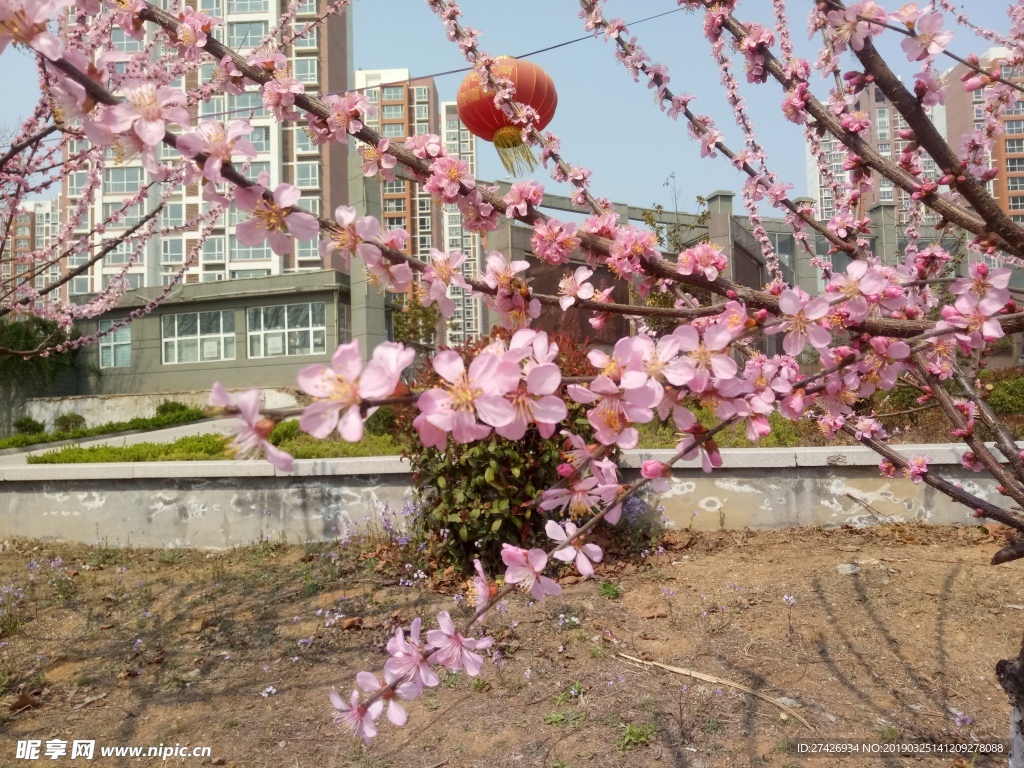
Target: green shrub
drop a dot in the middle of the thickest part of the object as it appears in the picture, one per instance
(382, 422)
(286, 430)
(180, 415)
(192, 448)
(173, 408)
(1007, 397)
(475, 497)
(68, 422)
(28, 426)
(304, 446)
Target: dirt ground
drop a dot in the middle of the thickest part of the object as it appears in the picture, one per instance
(233, 651)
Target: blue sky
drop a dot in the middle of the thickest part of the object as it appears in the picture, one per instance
(606, 122)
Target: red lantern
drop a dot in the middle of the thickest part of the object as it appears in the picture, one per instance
(533, 87)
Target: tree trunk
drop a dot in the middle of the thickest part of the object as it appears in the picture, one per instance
(1011, 677)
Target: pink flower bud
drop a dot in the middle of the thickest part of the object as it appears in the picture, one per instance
(655, 469)
(566, 470)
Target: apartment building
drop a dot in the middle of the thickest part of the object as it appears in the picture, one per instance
(883, 136)
(405, 107)
(35, 228)
(322, 60)
(468, 322)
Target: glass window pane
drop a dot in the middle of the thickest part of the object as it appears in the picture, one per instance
(254, 319)
(319, 310)
(188, 325)
(273, 344)
(298, 315)
(105, 357)
(209, 322)
(298, 342)
(229, 348)
(168, 321)
(188, 350)
(319, 342)
(169, 352)
(210, 349)
(273, 318)
(122, 355)
(255, 346)
(228, 321)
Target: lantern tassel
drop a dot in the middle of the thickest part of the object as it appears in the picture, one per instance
(515, 155)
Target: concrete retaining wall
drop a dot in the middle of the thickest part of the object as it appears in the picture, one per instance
(223, 503)
(99, 409)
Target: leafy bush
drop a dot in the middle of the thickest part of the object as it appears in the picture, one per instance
(475, 497)
(29, 426)
(1007, 396)
(382, 422)
(192, 448)
(286, 430)
(303, 446)
(173, 408)
(68, 422)
(176, 416)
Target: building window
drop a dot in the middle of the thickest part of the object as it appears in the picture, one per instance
(242, 252)
(76, 182)
(307, 7)
(210, 7)
(248, 6)
(1015, 184)
(214, 107)
(1014, 126)
(211, 277)
(394, 93)
(394, 205)
(129, 218)
(394, 222)
(423, 243)
(115, 346)
(420, 93)
(396, 187)
(422, 112)
(304, 143)
(978, 96)
(307, 175)
(1014, 146)
(173, 215)
(372, 95)
(1017, 203)
(250, 101)
(213, 250)
(307, 249)
(309, 38)
(79, 285)
(393, 112)
(122, 180)
(310, 204)
(172, 251)
(246, 34)
(243, 274)
(307, 69)
(882, 124)
(421, 128)
(132, 280)
(255, 169)
(397, 130)
(199, 337)
(124, 42)
(287, 329)
(1015, 165)
(344, 323)
(260, 138)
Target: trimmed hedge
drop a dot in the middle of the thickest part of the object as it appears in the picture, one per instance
(180, 414)
(192, 448)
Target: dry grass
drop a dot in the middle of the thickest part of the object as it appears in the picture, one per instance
(181, 644)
